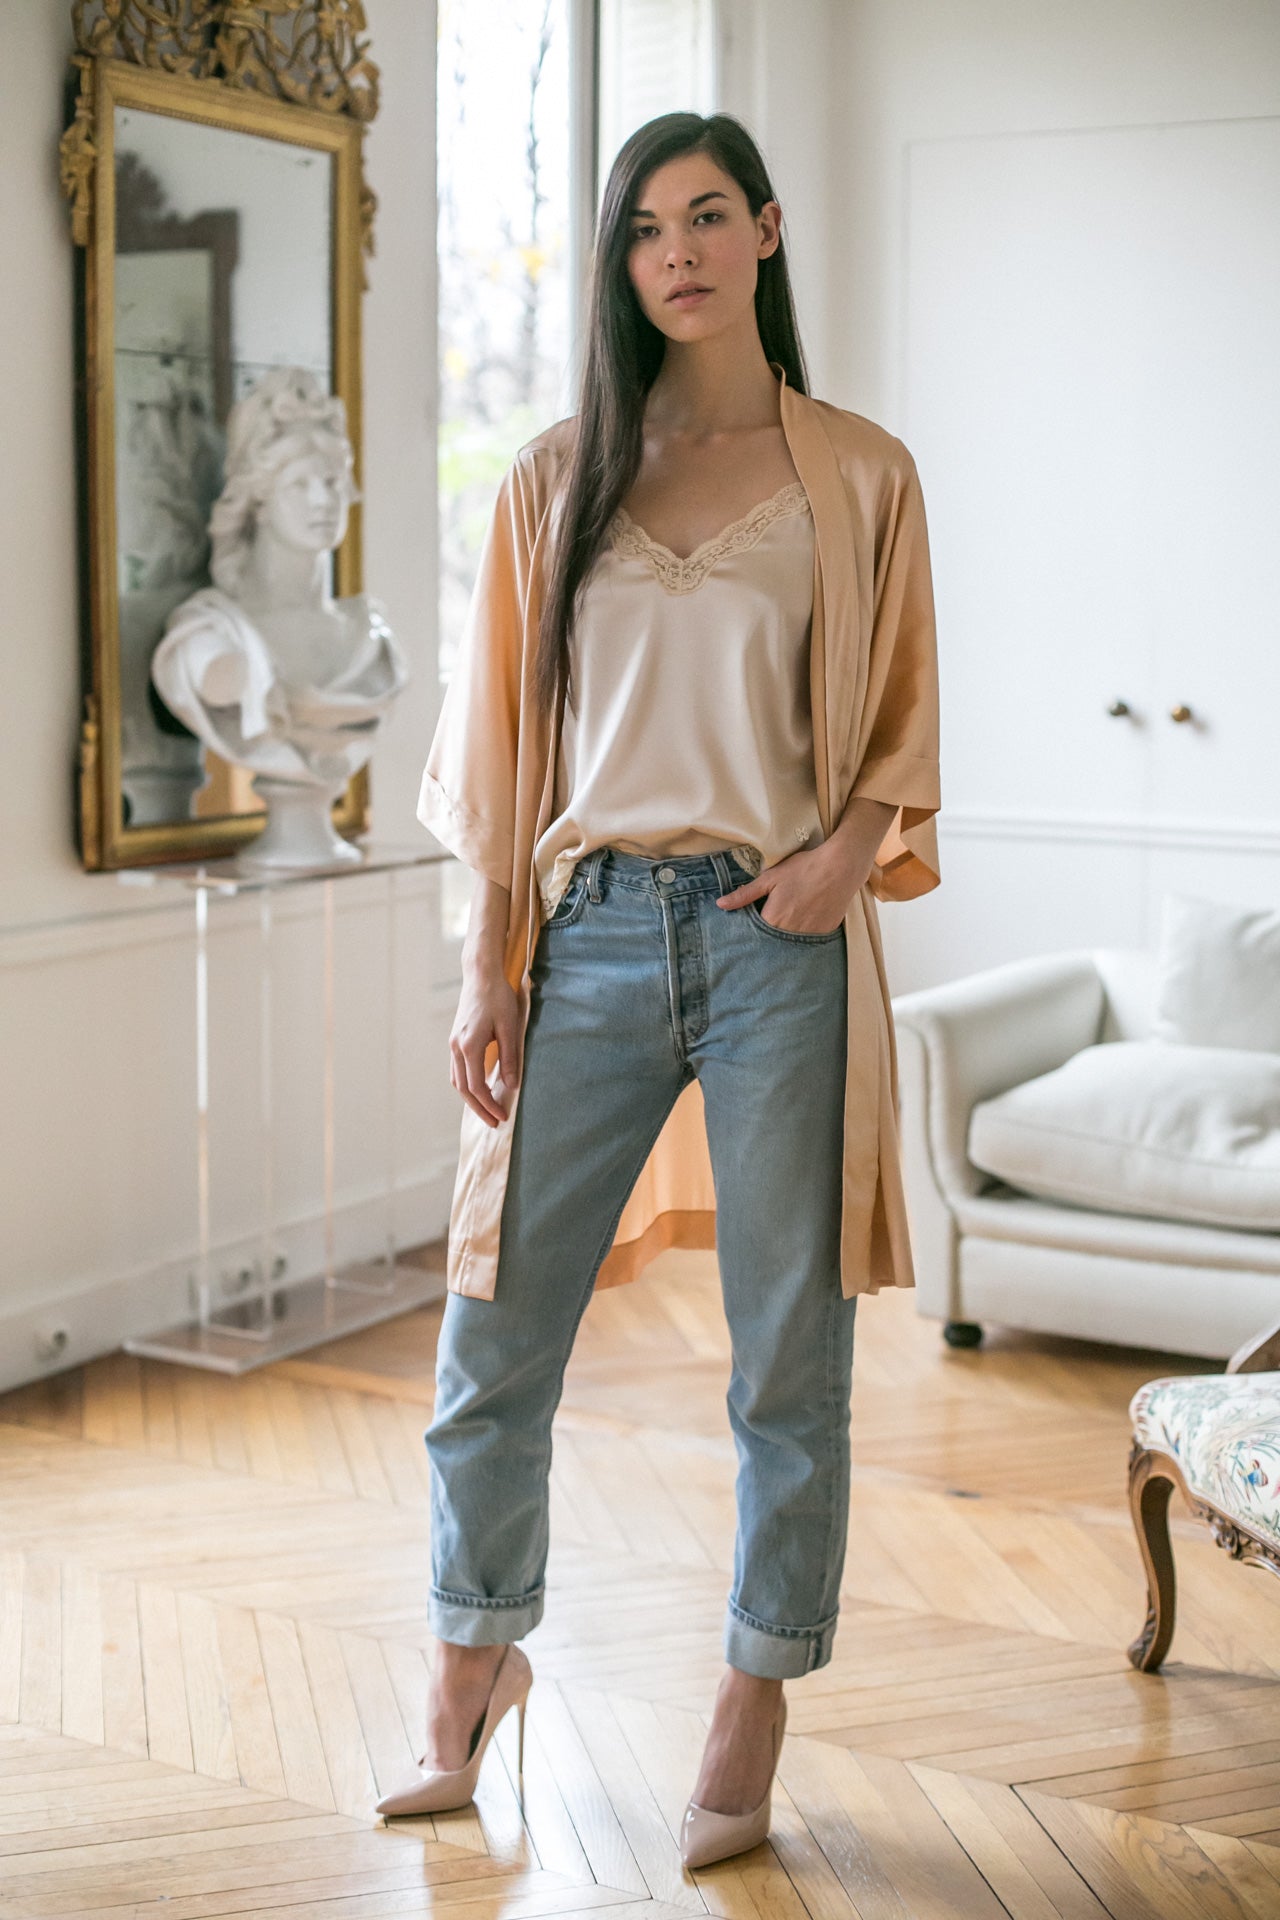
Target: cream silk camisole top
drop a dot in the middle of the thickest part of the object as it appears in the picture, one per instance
(690, 727)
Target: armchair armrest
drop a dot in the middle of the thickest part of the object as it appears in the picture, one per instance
(980, 1035)
(959, 1043)
(1261, 1354)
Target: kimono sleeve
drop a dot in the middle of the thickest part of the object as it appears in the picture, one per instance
(468, 794)
(899, 761)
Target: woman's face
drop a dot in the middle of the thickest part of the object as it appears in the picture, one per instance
(692, 226)
(307, 505)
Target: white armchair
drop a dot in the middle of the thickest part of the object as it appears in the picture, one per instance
(985, 1250)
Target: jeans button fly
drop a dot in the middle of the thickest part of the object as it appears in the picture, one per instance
(666, 873)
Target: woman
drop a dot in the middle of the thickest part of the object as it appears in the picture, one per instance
(692, 730)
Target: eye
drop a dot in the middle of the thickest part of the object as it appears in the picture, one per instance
(709, 213)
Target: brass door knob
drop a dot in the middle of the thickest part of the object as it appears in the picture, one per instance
(1180, 713)
(1118, 709)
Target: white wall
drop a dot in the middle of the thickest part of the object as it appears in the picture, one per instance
(775, 71)
(910, 72)
(98, 1167)
(97, 1162)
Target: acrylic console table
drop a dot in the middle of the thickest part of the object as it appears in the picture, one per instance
(257, 1312)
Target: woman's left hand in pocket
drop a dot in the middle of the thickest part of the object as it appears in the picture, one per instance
(808, 892)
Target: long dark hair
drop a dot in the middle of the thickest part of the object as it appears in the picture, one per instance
(624, 351)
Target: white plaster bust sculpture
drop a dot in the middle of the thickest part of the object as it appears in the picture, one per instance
(265, 666)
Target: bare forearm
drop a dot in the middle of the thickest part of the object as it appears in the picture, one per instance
(852, 843)
(486, 936)
(488, 1009)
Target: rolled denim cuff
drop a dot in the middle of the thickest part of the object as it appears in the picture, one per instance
(773, 1652)
(483, 1620)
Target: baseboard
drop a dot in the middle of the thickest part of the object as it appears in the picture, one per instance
(47, 1336)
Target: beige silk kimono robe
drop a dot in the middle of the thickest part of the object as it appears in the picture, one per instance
(487, 794)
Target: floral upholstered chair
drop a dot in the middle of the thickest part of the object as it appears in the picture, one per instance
(1216, 1437)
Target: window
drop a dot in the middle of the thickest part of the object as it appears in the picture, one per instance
(518, 135)
(503, 232)
(656, 56)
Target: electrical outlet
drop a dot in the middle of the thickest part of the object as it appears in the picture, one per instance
(51, 1344)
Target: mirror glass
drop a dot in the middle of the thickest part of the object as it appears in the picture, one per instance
(223, 269)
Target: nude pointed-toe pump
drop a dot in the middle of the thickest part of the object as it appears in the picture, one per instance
(706, 1835)
(432, 1791)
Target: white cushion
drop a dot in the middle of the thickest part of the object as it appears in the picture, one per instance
(1139, 1126)
(1217, 975)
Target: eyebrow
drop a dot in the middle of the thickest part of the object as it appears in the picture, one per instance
(645, 213)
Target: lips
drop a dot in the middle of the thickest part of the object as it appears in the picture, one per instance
(685, 292)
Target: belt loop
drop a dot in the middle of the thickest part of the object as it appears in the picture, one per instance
(593, 873)
(722, 871)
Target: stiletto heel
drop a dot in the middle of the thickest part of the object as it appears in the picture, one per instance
(433, 1791)
(706, 1835)
(520, 1742)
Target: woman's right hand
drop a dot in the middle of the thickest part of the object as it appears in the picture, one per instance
(488, 1010)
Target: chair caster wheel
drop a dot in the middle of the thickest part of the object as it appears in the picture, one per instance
(962, 1333)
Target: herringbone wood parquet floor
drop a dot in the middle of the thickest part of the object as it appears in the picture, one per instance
(213, 1656)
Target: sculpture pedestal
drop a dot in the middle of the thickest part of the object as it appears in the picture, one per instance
(297, 1316)
(256, 1312)
(299, 834)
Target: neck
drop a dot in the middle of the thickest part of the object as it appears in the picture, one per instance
(278, 577)
(721, 385)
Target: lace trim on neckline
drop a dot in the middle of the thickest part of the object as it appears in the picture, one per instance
(683, 575)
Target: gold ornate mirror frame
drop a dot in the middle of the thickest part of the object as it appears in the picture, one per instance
(296, 71)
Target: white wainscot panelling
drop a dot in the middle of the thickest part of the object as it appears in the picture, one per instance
(1008, 891)
(1235, 876)
(1018, 885)
(99, 1200)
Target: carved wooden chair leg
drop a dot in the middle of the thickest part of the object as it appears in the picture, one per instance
(1149, 1490)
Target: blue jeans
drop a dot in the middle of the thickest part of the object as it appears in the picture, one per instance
(639, 982)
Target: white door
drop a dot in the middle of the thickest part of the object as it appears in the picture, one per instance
(1210, 267)
(1092, 390)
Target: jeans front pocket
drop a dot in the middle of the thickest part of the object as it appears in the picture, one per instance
(756, 915)
(571, 902)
